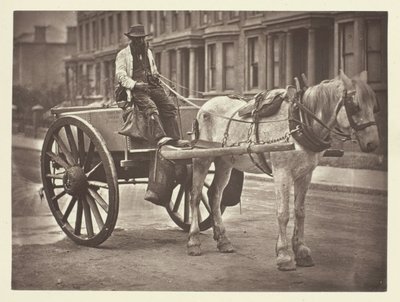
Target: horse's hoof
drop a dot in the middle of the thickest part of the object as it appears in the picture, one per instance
(226, 247)
(287, 266)
(285, 262)
(305, 262)
(194, 250)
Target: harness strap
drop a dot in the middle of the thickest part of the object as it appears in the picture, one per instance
(264, 167)
(226, 133)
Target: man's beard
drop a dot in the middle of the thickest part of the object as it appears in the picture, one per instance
(138, 46)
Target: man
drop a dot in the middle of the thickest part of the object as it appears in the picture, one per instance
(137, 72)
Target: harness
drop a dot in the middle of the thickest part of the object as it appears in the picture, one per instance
(299, 125)
(299, 118)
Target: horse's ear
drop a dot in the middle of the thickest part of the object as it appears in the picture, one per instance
(364, 76)
(348, 84)
(291, 92)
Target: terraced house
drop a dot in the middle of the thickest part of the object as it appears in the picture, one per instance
(207, 53)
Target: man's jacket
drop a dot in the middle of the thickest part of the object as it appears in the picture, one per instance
(124, 67)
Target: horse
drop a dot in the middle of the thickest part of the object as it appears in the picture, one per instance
(343, 103)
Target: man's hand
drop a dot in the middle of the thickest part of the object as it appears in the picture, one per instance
(141, 86)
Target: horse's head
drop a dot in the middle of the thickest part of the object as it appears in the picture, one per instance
(357, 112)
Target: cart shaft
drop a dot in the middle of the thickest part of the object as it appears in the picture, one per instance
(173, 153)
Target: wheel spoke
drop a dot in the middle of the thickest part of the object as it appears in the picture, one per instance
(81, 146)
(71, 142)
(200, 219)
(178, 199)
(95, 211)
(88, 174)
(58, 196)
(69, 209)
(88, 218)
(78, 221)
(89, 157)
(187, 207)
(55, 176)
(64, 150)
(204, 200)
(99, 199)
(98, 184)
(57, 159)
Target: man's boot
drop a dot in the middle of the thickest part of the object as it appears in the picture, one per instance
(171, 128)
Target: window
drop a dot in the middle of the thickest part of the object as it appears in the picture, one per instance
(80, 37)
(174, 20)
(158, 61)
(162, 22)
(188, 19)
(229, 66)
(81, 80)
(129, 18)
(98, 78)
(253, 13)
(375, 46)
(119, 26)
(87, 36)
(253, 63)
(276, 54)
(90, 86)
(103, 32)
(346, 48)
(211, 67)
(110, 30)
(204, 18)
(95, 35)
(150, 23)
(234, 14)
(172, 65)
(218, 16)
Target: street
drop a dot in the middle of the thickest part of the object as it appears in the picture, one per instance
(347, 233)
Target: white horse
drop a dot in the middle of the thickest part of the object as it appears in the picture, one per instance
(342, 102)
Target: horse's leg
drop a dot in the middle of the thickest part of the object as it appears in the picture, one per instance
(221, 179)
(302, 252)
(282, 182)
(200, 169)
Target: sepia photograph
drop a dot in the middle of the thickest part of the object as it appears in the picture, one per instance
(199, 150)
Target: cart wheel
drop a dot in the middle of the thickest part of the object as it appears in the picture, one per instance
(179, 206)
(80, 180)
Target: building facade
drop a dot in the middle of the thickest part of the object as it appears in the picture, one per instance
(220, 52)
(38, 62)
(207, 53)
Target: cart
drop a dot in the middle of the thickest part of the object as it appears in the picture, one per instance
(84, 160)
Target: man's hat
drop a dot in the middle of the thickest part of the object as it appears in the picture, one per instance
(136, 31)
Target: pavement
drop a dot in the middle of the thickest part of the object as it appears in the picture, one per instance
(324, 177)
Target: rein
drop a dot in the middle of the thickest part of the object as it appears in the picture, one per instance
(306, 136)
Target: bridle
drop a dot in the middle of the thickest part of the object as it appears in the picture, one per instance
(351, 108)
(347, 100)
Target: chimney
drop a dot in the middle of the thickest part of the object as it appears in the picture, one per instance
(71, 34)
(40, 34)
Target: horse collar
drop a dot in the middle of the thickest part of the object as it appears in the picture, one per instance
(302, 131)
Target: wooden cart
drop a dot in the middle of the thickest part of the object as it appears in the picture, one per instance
(84, 160)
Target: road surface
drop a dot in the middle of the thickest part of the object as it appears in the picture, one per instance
(147, 252)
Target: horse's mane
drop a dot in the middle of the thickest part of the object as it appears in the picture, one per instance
(323, 97)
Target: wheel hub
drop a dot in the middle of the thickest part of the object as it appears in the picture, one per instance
(75, 181)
